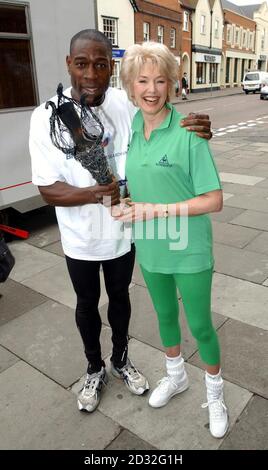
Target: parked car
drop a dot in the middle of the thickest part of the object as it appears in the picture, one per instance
(253, 81)
(264, 93)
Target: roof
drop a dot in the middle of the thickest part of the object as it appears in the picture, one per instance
(191, 4)
(242, 10)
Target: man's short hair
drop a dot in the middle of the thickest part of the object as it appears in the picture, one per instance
(92, 35)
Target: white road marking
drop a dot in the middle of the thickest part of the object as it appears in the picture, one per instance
(239, 126)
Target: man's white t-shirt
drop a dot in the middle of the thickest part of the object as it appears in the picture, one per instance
(88, 232)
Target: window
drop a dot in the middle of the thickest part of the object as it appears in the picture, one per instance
(244, 39)
(213, 73)
(229, 31)
(250, 40)
(237, 31)
(203, 25)
(185, 21)
(17, 77)
(216, 28)
(110, 29)
(235, 70)
(146, 32)
(115, 78)
(173, 38)
(227, 71)
(262, 39)
(242, 69)
(201, 69)
(160, 34)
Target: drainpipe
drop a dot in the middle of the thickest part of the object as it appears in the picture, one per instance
(210, 47)
(191, 57)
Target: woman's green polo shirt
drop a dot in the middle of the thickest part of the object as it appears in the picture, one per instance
(172, 166)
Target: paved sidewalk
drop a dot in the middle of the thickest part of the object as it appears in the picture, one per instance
(209, 94)
(41, 356)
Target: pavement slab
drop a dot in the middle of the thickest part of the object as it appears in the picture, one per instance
(7, 359)
(184, 424)
(246, 201)
(16, 299)
(55, 248)
(46, 415)
(44, 236)
(254, 191)
(263, 184)
(233, 235)
(251, 429)
(47, 338)
(251, 219)
(244, 350)
(30, 261)
(259, 244)
(240, 178)
(243, 264)
(240, 300)
(55, 283)
(128, 441)
(227, 214)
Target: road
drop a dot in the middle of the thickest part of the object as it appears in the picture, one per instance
(228, 110)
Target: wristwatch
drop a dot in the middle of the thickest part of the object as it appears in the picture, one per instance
(165, 213)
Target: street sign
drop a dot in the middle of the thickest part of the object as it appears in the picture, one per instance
(118, 53)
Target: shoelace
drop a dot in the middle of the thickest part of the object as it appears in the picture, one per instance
(131, 371)
(164, 383)
(91, 385)
(217, 407)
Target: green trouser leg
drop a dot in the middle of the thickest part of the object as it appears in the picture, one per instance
(195, 290)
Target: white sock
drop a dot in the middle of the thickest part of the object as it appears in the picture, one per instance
(175, 368)
(214, 378)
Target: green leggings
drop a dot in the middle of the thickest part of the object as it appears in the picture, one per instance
(195, 290)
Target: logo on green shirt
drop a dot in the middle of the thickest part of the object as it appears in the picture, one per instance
(164, 162)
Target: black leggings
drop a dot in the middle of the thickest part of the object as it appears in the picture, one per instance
(85, 276)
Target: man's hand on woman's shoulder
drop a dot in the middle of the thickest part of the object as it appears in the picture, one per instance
(198, 123)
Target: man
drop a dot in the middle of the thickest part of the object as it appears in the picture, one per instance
(90, 236)
(184, 86)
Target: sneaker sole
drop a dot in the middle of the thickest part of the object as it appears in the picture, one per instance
(135, 392)
(183, 389)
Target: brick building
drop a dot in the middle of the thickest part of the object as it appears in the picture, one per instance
(238, 44)
(155, 22)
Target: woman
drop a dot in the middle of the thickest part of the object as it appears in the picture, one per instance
(170, 174)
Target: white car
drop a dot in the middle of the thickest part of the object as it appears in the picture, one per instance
(264, 93)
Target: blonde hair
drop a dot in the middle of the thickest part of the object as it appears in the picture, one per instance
(137, 55)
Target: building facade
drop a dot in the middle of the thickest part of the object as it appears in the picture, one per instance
(239, 44)
(116, 21)
(206, 21)
(159, 21)
(186, 46)
(260, 16)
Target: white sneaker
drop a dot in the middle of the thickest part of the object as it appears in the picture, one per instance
(218, 417)
(166, 389)
(134, 380)
(89, 397)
